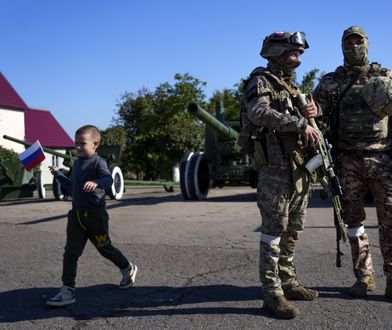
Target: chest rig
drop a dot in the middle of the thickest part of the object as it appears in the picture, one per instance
(281, 99)
(271, 146)
(283, 94)
(358, 127)
(284, 99)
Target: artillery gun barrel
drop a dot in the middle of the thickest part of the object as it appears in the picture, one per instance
(226, 132)
(28, 144)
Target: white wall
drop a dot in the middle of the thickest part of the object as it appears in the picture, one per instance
(46, 176)
(12, 124)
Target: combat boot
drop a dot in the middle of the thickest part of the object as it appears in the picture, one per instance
(280, 307)
(362, 286)
(299, 292)
(388, 289)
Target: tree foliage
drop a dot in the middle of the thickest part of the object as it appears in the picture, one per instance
(309, 81)
(114, 135)
(157, 127)
(231, 99)
(9, 158)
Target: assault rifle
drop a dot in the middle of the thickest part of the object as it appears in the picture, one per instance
(329, 181)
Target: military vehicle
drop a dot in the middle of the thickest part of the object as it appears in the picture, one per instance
(221, 163)
(110, 153)
(17, 182)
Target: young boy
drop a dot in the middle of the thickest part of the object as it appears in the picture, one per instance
(88, 218)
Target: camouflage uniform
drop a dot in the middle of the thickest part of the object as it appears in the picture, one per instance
(274, 125)
(362, 141)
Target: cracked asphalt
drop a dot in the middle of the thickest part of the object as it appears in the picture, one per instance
(198, 267)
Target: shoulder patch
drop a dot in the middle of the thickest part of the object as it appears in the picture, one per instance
(257, 86)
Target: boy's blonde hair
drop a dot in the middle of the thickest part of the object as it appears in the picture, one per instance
(93, 130)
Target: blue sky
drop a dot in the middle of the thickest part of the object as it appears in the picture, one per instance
(77, 57)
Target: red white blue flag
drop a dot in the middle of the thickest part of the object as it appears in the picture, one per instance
(32, 156)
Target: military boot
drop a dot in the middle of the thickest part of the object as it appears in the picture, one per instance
(299, 292)
(280, 307)
(363, 285)
(388, 289)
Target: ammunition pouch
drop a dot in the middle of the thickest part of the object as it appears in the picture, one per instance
(289, 142)
(274, 150)
(300, 178)
(298, 159)
(246, 143)
(259, 158)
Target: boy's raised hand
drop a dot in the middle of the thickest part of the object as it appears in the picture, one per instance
(53, 169)
(89, 186)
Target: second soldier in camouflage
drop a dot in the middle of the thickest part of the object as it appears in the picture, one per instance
(357, 103)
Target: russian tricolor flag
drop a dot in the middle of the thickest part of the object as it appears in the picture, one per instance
(32, 156)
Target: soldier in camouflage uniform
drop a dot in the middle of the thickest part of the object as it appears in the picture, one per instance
(275, 128)
(356, 101)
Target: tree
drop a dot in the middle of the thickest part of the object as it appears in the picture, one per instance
(158, 129)
(231, 99)
(114, 135)
(308, 81)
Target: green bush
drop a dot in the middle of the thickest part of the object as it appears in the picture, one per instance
(9, 158)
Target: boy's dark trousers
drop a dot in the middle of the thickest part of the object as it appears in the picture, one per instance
(92, 225)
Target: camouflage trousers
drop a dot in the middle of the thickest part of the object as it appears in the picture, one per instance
(361, 173)
(283, 212)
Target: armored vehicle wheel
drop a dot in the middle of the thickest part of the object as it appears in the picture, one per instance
(184, 169)
(116, 191)
(201, 178)
(194, 176)
(60, 193)
(40, 186)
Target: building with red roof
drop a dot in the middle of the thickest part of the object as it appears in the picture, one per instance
(9, 98)
(18, 120)
(41, 125)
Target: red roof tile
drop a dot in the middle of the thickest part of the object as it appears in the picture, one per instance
(9, 98)
(41, 125)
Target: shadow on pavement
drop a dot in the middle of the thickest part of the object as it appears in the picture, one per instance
(342, 293)
(108, 301)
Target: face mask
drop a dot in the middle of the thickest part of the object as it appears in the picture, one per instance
(286, 64)
(357, 55)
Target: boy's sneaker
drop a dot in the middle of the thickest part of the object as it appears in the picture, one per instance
(66, 296)
(129, 275)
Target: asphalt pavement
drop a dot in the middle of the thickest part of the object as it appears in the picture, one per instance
(198, 267)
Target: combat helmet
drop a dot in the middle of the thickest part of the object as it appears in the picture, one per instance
(277, 43)
(377, 93)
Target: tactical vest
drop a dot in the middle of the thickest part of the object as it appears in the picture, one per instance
(282, 100)
(359, 128)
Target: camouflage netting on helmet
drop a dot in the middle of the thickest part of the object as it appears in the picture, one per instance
(377, 93)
